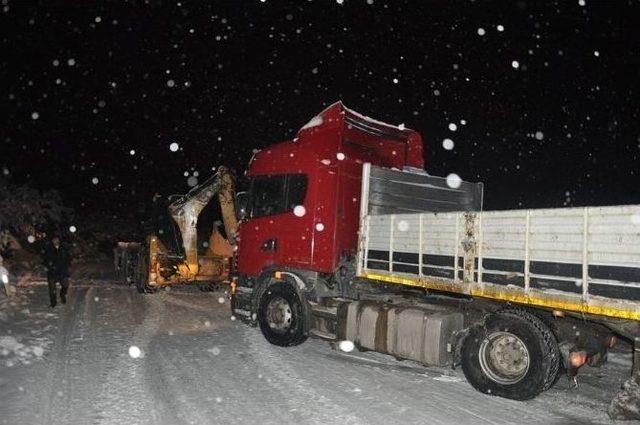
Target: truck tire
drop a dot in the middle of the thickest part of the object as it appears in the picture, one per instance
(513, 355)
(281, 315)
(546, 325)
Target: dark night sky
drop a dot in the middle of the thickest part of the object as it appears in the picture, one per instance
(85, 83)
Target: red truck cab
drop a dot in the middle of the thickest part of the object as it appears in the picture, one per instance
(304, 194)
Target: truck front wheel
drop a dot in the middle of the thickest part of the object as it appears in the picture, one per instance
(514, 355)
(281, 316)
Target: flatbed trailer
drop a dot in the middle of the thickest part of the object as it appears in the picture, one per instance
(581, 260)
(573, 271)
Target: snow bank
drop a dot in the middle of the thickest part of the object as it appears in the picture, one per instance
(24, 329)
(626, 404)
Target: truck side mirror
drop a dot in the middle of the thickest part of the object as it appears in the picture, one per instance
(242, 205)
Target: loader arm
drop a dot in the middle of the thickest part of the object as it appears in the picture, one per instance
(185, 210)
(226, 197)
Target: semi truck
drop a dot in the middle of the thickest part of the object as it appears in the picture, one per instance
(345, 237)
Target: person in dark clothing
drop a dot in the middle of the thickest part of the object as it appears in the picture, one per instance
(57, 261)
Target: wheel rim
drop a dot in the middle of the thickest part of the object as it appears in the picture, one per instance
(279, 315)
(504, 358)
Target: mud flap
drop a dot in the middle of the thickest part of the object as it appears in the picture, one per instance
(626, 404)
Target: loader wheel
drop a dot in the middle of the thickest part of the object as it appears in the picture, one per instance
(513, 355)
(281, 316)
(142, 276)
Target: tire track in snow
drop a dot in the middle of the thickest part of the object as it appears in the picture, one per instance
(55, 400)
(124, 396)
(183, 377)
(180, 381)
(385, 392)
(297, 392)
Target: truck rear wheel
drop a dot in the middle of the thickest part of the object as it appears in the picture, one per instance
(514, 355)
(280, 315)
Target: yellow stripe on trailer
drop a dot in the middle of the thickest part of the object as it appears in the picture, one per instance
(495, 292)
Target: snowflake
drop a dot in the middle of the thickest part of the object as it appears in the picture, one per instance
(454, 181)
(448, 144)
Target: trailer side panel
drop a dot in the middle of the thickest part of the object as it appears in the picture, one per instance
(577, 259)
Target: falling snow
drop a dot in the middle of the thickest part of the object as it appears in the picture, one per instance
(346, 346)
(403, 225)
(135, 352)
(299, 211)
(92, 97)
(454, 181)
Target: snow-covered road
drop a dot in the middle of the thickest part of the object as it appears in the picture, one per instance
(72, 365)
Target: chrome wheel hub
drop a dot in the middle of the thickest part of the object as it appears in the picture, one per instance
(504, 358)
(279, 315)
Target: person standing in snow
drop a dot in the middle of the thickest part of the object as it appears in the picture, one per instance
(57, 261)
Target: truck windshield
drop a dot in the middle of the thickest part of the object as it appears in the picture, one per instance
(277, 194)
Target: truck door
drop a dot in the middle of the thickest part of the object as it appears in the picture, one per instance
(278, 230)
